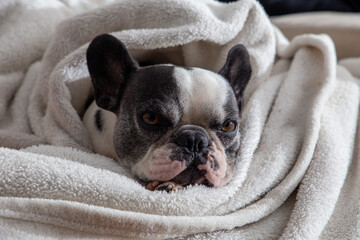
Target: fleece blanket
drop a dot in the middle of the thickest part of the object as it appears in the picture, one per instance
(298, 170)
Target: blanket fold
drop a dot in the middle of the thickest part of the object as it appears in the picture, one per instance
(297, 169)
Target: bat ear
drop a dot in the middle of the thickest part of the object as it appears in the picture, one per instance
(237, 70)
(110, 66)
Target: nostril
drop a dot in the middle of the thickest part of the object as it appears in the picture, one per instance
(185, 140)
(192, 140)
(202, 142)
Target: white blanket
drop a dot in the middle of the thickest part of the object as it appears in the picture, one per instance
(298, 171)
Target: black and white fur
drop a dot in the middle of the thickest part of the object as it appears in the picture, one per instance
(188, 143)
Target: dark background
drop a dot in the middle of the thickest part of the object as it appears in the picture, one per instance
(280, 7)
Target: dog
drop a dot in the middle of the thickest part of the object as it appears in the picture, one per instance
(171, 126)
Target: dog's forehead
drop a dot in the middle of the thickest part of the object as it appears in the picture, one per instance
(203, 95)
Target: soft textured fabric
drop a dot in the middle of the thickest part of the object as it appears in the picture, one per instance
(343, 28)
(297, 174)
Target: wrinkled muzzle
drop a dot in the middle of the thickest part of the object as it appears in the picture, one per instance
(192, 157)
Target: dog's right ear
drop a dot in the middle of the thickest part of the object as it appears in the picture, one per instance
(237, 70)
(110, 66)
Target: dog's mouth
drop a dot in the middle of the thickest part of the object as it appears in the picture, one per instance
(211, 172)
(191, 175)
(172, 165)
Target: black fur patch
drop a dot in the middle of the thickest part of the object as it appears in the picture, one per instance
(99, 120)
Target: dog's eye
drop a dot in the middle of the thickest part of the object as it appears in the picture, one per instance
(150, 118)
(229, 127)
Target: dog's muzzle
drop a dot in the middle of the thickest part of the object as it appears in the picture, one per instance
(193, 147)
(202, 159)
(190, 157)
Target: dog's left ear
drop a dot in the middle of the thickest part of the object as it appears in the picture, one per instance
(237, 70)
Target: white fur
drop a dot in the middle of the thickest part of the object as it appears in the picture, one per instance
(102, 140)
(202, 92)
(156, 165)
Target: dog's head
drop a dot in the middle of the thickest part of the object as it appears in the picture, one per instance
(173, 123)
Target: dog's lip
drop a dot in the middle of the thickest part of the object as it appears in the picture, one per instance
(184, 179)
(191, 175)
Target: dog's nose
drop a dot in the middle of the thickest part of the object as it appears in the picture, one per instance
(193, 140)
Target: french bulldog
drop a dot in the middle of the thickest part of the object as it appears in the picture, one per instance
(169, 125)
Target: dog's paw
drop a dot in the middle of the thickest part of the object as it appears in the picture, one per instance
(165, 186)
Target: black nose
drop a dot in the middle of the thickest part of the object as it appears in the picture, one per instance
(194, 140)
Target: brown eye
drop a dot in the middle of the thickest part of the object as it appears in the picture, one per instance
(228, 127)
(150, 118)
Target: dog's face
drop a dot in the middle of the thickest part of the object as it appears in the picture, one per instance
(173, 123)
